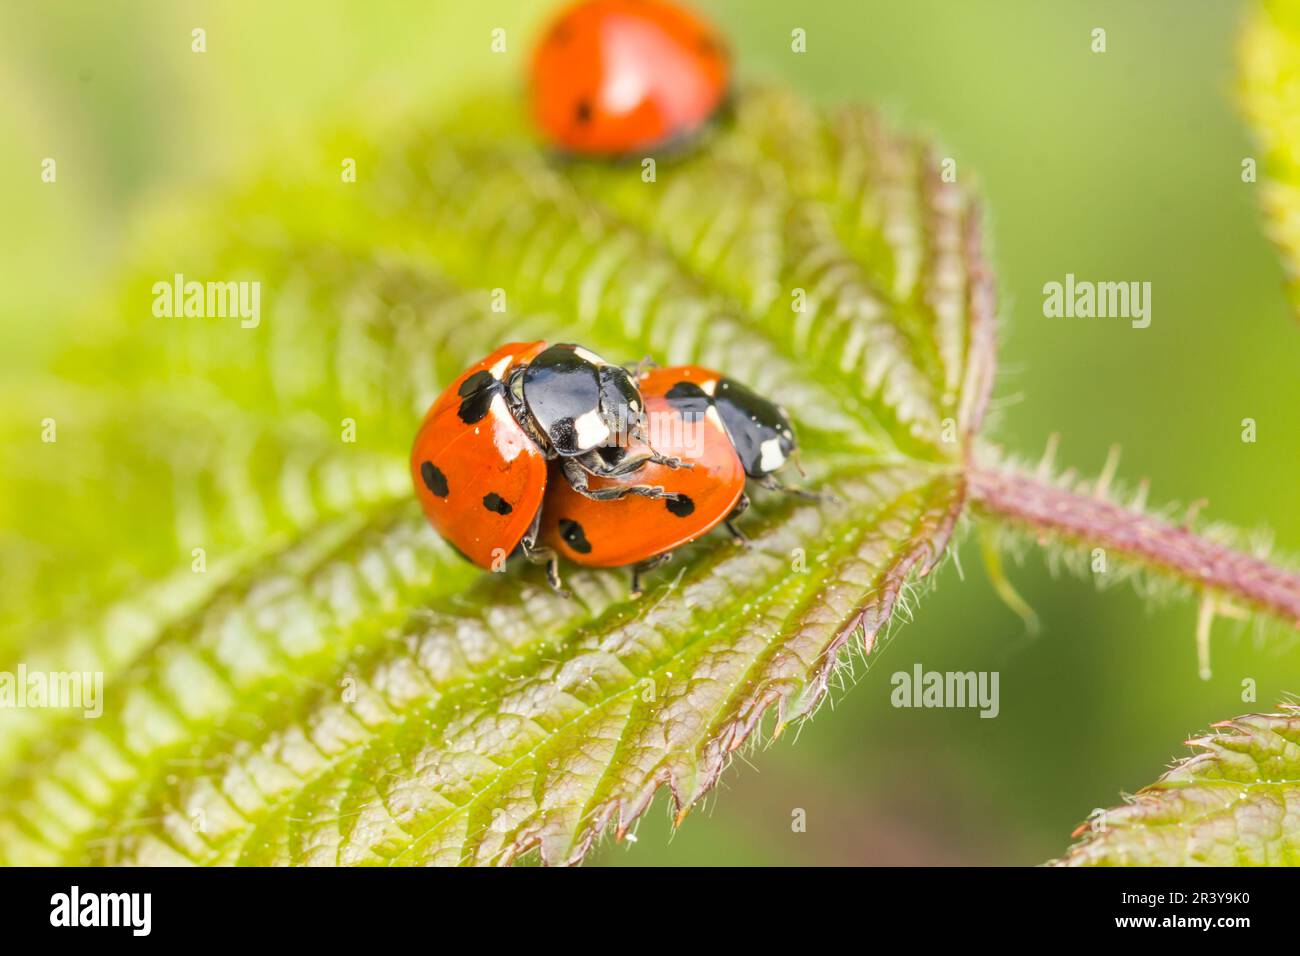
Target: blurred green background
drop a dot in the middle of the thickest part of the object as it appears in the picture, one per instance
(1116, 166)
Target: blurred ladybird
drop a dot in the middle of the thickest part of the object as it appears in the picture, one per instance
(612, 77)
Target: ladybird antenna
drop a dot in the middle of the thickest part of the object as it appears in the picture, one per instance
(639, 368)
(798, 466)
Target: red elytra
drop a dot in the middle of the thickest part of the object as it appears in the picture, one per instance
(630, 530)
(480, 482)
(611, 77)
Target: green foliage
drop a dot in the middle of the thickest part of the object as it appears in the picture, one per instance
(1232, 804)
(1270, 65)
(336, 686)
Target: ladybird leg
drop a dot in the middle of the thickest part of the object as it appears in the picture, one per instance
(553, 573)
(737, 535)
(577, 478)
(623, 491)
(632, 462)
(593, 463)
(641, 567)
(772, 483)
(670, 462)
(536, 554)
(659, 459)
(548, 557)
(626, 466)
(667, 460)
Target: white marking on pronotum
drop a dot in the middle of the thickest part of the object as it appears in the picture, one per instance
(508, 440)
(709, 387)
(591, 429)
(711, 413)
(772, 456)
(587, 356)
(499, 368)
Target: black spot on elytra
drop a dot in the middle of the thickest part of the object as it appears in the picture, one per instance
(476, 394)
(434, 479)
(680, 505)
(477, 382)
(574, 536)
(475, 407)
(494, 502)
(582, 112)
(686, 390)
(691, 401)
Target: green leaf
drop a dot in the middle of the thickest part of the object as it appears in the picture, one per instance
(1270, 79)
(1232, 804)
(335, 685)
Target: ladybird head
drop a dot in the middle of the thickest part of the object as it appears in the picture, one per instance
(579, 401)
(758, 428)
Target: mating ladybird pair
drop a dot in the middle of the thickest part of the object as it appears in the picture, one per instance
(549, 451)
(543, 450)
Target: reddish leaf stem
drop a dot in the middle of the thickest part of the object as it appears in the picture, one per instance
(1093, 521)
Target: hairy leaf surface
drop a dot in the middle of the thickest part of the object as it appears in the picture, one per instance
(1235, 803)
(335, 686)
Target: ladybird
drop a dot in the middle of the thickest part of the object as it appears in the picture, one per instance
(738, 435)
(612, 77)
(759, 429)
(480, 458)
(640, 531)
